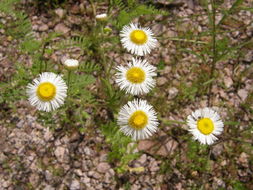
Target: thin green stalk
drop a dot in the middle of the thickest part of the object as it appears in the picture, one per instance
(231, 138)
(68, 80)
(168, 121)
(110, 7)
(103, 52)
(42, 58)
(183, 40)
(40, 66)
(94, 11)
(228, 12)
(45, 66)
(239, 140)
(214, 53)
(68, 110)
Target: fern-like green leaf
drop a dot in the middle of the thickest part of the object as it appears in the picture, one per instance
(89, 67)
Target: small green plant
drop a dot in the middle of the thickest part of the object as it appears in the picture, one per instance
(121, 149)
(197, 162)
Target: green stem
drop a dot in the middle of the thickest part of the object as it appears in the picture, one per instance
(182, 40)
(168, 121)
(45, 66)
(231, 138)
(40, 66)
(239, 140)
(42, 58)
(68, 81)
(103, 52)
(94, 11)
(233, 123)
(214, 50)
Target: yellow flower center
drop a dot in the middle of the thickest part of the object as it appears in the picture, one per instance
(138, 37)
(138, 120)
(135, 75)
(46, 91)
(205, 126)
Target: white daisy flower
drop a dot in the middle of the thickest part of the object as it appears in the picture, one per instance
(137, 77)
(47, 92)
(137, 119)
(205, 124)
(137, 40)
(101, 17)
(71, 64)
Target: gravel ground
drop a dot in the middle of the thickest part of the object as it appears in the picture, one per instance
(34, 157)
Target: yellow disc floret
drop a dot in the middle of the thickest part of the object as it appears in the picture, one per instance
(138, 37)
(205, 126)
(46, 91)
(135, 75)
(138, 120)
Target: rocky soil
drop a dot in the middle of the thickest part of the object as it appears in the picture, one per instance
(34, 157)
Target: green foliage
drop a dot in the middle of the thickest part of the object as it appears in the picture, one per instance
(131, 9)
(231, 10)
(161, 65)
(6, 6)
(14, 90)
(121, 151)
(126, 16)
(165, 167)
(89, 67)
(198, 154)
(237, 185)
(78, 85)
(119, 3)
(20, 27)
(78, 41)
(114, 97)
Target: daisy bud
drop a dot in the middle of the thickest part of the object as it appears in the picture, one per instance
(107, 30)
(71, 64)
(101, 17)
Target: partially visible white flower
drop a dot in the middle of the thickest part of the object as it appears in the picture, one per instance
(138, 119)
(101, 17)
(205, 124)
(47, 92)
(71, 64)
(137, 77)
(137, 40)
